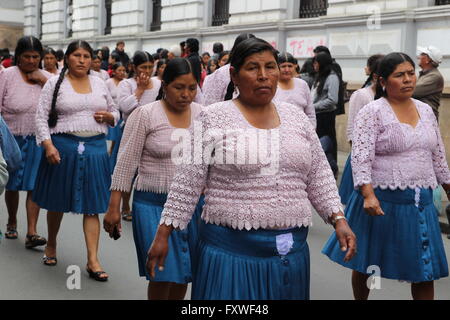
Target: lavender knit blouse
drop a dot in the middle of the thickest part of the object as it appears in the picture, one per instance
(19, 101)
(146, 147)
(389, 154)
(75, 110)
(271, 187)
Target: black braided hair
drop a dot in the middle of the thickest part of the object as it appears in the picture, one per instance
(53, 115)
(372, 64)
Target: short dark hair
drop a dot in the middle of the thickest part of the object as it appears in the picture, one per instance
(217, 47)
(120, 42)
(193, 44)
(320, 49)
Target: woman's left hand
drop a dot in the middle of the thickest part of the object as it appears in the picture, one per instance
(104, 117)
(37, 77)
(346, 238)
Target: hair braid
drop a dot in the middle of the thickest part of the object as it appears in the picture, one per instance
(53, 115)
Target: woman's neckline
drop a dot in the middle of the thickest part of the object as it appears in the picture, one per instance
(73, 89)
(396, 118)
(236, 108)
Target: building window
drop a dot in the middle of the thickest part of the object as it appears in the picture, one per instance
(108, 9)
(313, 8)
(69, 20)
(39, 20)
(221, 12)
(442, 2)
(156, 15)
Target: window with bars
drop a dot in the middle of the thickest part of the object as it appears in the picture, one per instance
(221, 12)
(442, 2)
(108, 8)
(156, 15)
(313, 8)
(69, 14)
(39, 20)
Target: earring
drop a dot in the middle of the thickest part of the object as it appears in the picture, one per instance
(236, 92)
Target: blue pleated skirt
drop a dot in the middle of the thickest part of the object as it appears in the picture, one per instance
(115, 150)
(80, 182)
(24, 178)
(246, 265)
(346, 187)
(405, 243)
(147, 209)
(115, 133)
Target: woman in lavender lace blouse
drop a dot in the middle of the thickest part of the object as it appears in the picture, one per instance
(358, 100)
(398, 158)
(260, 166)
(74, 112)
(147, 148)
(20, 87)
(294, 90)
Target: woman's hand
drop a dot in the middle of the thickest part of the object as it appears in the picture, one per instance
(143, 81)
(372, 206)
(104, 117)
(112, 219)
(51, 153)
(37, 77)
(346, 238)
(159, 249)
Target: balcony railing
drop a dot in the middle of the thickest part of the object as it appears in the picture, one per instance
(221, 12)
(442, 2)
(156, 20)
(313, 8)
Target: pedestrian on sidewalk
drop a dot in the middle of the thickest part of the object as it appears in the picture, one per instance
(20, 88)
(252, 235)
(147, 148)
(358, 100)
(325, 95)
(294, 90)
(75, 110)
(431, 82)
(398, 158)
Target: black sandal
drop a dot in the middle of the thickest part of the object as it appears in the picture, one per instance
(11, 233)
(97, 275)
(35, 240)
(127, 216)
(49, 261)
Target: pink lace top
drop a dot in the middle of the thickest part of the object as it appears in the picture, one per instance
(128, 101)
(75, 110)
(269, 187)
(299, 96)
(18, 101)
(113, 89)
(358, 100)
(390, 154)
(146, 146)
(215, 85)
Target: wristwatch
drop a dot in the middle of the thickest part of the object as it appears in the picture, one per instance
(336, 218)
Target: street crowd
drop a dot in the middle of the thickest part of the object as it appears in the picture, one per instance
(229, 226)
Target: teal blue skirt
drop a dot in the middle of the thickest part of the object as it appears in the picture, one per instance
(248, 265)
(147, 209)
(24, 178)
(405, 243)
(346, 187)
(80, 182)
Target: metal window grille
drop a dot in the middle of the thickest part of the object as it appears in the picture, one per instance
(156, 20)
(221, 12)
(108, 7)
(442, 2)
(313, 8)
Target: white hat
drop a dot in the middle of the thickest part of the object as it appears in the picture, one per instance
(433, 52)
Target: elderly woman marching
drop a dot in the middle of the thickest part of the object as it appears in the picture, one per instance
(20, 87)
(398, 158)
(252, 238)
(75, 110)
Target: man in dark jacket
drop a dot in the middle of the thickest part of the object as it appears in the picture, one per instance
(192, 48)
(120, 51)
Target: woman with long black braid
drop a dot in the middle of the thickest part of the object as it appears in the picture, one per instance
(74, 112)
